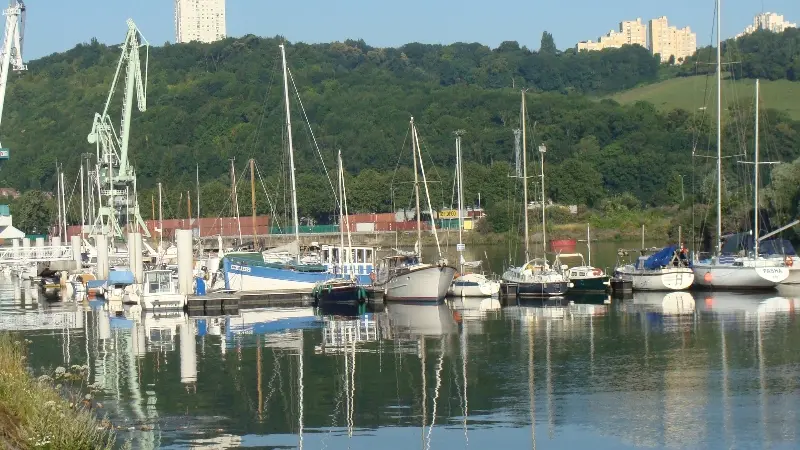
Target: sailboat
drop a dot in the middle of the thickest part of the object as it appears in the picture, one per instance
(258, 272)
(404, 277)
(725, 270)
(585, 277)
(535, 278)
(467, 284)
(345, 288)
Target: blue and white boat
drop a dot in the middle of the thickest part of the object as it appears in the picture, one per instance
(284, 269)
(249, 271)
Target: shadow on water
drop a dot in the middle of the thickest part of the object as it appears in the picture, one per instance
(685, 370)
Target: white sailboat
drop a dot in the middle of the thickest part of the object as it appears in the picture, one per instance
(535, 278)
(732, 272)
(467, 284)
(271, 271)
(404, 277)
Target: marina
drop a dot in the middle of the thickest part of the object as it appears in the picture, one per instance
(547, 372)
(374, 311)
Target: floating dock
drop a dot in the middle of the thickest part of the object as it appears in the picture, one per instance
(230, 302)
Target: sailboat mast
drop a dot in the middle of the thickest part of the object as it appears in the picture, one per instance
(83, 208)
(197, 183)
(755, 193)
(416, 186)
(253, 201)
(63, 205)
(460, 185)
(341, 211)
(542, 150)
(235, 197)
(524, 178)
(291, 147)
(427, 195)
(589, 243)
(719, 127)
(160, 221)
(349, 257)
(58, 198)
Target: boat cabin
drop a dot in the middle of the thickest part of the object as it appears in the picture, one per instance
(159, 282)
(361, 261)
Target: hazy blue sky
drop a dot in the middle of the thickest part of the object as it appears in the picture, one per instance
(57, 25)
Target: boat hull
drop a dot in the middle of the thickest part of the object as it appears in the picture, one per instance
(535, 290)
(425, 284)
(597, 284)
(240, 277)
(473, 285)
(730, 277)
(348, 294)
(669, 279)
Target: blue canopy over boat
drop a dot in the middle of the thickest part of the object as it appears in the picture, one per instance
(661, 258)
(120, 277)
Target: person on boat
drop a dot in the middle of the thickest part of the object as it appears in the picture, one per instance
(683, 256)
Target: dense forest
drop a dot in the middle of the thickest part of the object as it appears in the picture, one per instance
(763, 54)
(211, 103)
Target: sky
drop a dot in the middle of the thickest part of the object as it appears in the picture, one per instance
(58, 25)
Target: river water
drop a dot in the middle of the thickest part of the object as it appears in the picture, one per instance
(679, 370)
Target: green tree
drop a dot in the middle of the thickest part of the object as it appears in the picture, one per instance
(33, 212)
(548, 44)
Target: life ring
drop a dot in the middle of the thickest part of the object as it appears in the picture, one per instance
(597, 272)
(788, 261)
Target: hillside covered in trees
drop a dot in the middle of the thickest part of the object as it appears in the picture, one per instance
(210, 103)
(763, 54)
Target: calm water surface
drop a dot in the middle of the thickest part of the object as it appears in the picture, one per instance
(678, 370)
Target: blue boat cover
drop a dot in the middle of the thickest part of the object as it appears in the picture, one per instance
(661, 258)
(92, 284)
(120, 277)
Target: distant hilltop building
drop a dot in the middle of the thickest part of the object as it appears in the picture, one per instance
(657, 36)
(199, 20)
(630, 32)
(669, 42)
(767, 21)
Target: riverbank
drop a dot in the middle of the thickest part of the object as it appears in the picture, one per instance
(658, 226)
(33, 413)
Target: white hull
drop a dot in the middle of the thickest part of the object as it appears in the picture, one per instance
(242, 282)
(724, 276)
(421, 283)
(473, 285)
(159, 301)
(794, 273)
(667, 279)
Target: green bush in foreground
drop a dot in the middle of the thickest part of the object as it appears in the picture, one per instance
(33, 415)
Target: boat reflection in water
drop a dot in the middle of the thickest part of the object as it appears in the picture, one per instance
(661, 370)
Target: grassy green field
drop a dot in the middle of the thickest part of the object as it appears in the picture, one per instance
(693, 93)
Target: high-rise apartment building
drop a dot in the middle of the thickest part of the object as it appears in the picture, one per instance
(634, 31)
(630, 32)
(768, 21)
(668, 41)
(199, 20)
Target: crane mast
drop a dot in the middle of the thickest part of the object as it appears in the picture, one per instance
(116, 177)
(12, 50)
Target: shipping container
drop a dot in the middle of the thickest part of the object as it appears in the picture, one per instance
(365, 227)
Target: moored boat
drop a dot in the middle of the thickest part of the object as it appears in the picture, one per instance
(669, 269)
(339, 290)
(473, 285)
(404, 277)
(536, 279)
(584, 277)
